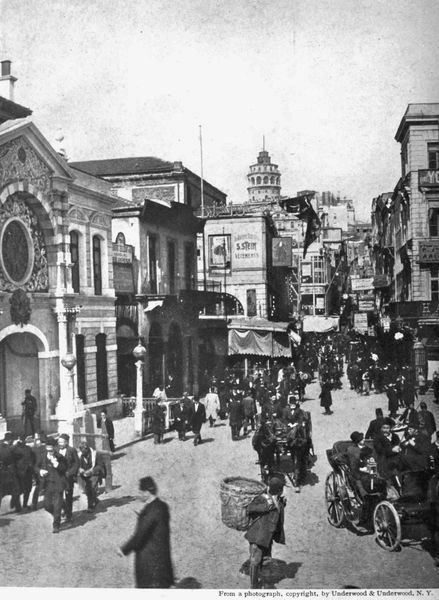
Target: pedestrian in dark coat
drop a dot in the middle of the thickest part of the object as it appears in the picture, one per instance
(29, 405)
(151, 541)
(392, 396)
(92, 471)
(25, 462)
(159, 421)
(427, 423)
(268, 525)
(249, 408)
(236, 416)
(197, 418)
(181, 416)
(107, 428)
(52, 467)
(72, 462)
(9, 481)
(326, 397)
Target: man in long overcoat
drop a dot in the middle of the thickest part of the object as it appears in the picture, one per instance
(51, 466)
(151, 541)
(197, 418)
(9, 481)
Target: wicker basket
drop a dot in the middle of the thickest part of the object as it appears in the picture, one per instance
(236, 493)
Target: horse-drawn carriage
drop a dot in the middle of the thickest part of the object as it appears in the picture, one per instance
(384, 508)
(285, 447)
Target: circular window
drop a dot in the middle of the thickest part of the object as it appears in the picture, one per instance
(16, 251)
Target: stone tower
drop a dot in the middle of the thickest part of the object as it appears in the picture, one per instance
(263, 179)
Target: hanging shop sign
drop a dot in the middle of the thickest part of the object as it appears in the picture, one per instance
(360, 322)
(428, 178)
(380, 281)
(429, 252)
(358, 285)
(366, 305)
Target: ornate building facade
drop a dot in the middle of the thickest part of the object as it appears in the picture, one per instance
(57, 323)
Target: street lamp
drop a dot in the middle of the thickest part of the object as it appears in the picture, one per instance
(139, 354)
(69, 362)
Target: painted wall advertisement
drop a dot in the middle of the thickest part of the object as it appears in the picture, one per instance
(219, 253)
(247, 251)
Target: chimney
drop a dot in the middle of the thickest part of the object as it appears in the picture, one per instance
(7, 81)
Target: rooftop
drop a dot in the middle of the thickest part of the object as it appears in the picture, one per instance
(418, 113)
(135, 165)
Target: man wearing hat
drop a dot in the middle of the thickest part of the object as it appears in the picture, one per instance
(197, 417)
(151, 540)
(353, 452)
(51, 467)
(268, 525)
(91, 470)
(72, 462)
(25, 461)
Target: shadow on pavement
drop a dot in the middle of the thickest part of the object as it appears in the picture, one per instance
(188, 583)
(4, 522)
(82, 517)
(207, 440)
(118, 455)
(273, 570)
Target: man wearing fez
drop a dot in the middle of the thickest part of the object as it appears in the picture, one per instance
(197, 417)
(150, 541)
(72, 461)
(51, 467)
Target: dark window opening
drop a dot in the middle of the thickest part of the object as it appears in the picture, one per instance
(74, 255)
(97, 266)
(101, 367)
(80, 367)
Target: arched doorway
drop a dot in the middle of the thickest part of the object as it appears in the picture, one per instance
(174, 362)
(207, 362)
(156, 355)
(19, 370)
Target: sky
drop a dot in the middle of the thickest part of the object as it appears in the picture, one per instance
(326, 81)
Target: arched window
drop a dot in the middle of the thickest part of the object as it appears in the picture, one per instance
(120, 239)
(277, 181)
(265, 179)
(97, 265)
(253, 181)
(101, 367)
(74, 255)
(258, 180)
(272, 180)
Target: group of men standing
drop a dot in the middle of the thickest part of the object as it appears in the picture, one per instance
(52, 467)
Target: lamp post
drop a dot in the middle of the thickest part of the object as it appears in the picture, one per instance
(68, 405)
(139, 354)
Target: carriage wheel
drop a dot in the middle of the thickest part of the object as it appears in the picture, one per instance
(387, 526)
(334, 500)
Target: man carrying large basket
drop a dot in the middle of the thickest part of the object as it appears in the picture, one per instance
(267, 509)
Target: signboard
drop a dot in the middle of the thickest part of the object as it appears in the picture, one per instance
(282, 252)
(219, 253)
(122, 253)
(123, 278)
(312, 289)
(360, 322)
(362, 284)
(429, 252)
(366, 305)
(247, 251)
(380, 281)
(320, 302)
(428, 178)
(306, 272)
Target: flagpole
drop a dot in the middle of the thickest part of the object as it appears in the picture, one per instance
(202, 208)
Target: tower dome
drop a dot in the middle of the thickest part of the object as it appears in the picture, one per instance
(263, 179)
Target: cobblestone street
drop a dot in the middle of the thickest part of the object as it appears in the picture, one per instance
(318, 556)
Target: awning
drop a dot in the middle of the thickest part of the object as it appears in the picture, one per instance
(152, 304)
(320, 324)
(259, 343)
